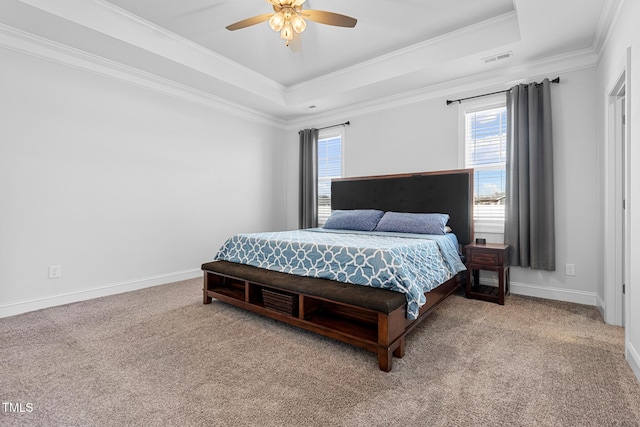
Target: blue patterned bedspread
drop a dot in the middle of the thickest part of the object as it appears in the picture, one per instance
(411, 264)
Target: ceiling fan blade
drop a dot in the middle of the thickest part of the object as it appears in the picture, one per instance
(329, 18)
(249, 21)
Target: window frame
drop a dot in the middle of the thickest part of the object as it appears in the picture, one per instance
(328, 134)
(492, 226)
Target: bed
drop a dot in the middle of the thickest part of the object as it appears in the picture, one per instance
(374, 311)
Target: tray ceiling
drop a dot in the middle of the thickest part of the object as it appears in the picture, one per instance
(397, 46)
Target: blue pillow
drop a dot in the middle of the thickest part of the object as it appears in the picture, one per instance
(356, 219)
(419, 223)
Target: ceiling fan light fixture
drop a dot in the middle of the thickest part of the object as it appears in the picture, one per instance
(290, 19)
(277, 21)
(298, 23)
(287, 32)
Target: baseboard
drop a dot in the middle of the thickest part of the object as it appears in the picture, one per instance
(633, 357)
(559, 294)
(600, 305)
(112, 289)
(578, 297)
(567, 295)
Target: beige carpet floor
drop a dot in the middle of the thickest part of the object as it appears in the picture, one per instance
(159, 357)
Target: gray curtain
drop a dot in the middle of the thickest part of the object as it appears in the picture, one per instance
(308, 212)
(529, 207)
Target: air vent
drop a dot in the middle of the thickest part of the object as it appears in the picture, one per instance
(498, 57)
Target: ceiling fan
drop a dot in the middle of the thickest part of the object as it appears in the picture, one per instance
(289, 17)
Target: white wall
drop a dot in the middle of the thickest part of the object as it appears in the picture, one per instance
(122, 186)
(625, 34)
(414, 138)
(424, 136)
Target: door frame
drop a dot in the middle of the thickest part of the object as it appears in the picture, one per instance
(616, 219)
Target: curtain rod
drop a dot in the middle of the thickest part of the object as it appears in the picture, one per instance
(332, 126)
(556, 80)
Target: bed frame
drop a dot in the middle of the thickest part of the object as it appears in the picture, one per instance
(371, 318)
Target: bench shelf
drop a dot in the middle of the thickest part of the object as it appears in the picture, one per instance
(377, 331)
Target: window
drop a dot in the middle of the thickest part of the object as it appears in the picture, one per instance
(485, 148)
(329, 167)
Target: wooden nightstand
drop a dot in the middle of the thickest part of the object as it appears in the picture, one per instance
(492, 257)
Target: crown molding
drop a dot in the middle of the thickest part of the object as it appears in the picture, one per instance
(491, 81)
(493, 32)
(396, 55)
(610, 12)
(500, 78)
(30, 44)
(42, 48)
(110, 20)
(192, 45)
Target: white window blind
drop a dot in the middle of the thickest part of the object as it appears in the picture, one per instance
(329, 167)
(485, 152)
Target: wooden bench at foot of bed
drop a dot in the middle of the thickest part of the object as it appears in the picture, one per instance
(371, 318)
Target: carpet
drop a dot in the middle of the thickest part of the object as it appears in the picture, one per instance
(159, 357)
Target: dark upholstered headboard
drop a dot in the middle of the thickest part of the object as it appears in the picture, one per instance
(448, 192)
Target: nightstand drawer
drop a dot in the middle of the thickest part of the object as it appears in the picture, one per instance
(485, 258)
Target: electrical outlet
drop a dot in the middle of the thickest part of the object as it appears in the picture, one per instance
(55, 272)
(570, 269)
